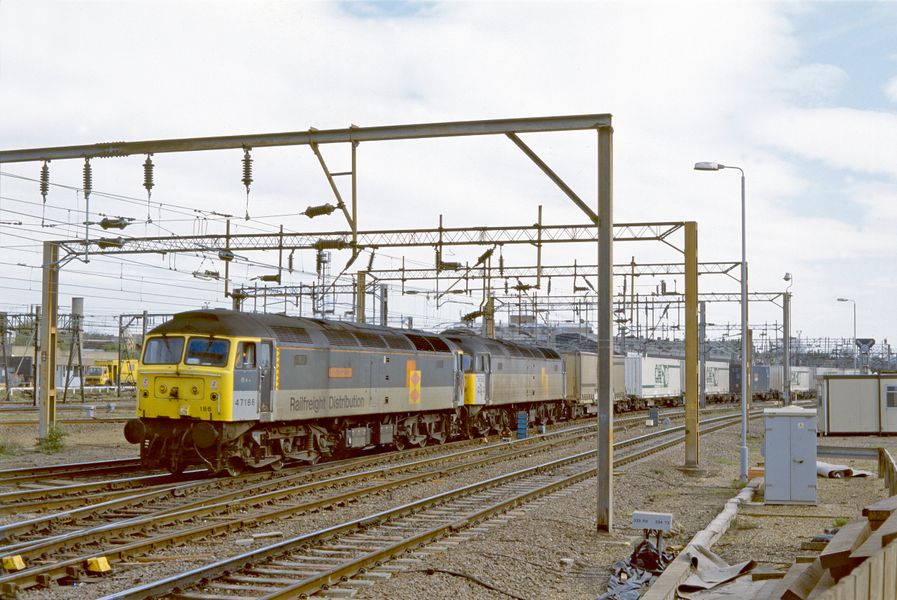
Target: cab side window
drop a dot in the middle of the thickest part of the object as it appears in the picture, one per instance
(246, 355)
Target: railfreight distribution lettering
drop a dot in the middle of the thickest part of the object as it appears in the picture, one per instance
(318, 403)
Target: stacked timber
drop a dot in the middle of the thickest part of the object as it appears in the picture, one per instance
(849, 548)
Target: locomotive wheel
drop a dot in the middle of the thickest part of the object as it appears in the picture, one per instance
(440, 431)
(234, 467)
(176, 466)
(399, 442)
(277, 465)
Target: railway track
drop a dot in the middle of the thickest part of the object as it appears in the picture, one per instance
(57, 487)
(130, 465)
(320, 560)
(82, 421)
(134, 531)
(64, 544)
(214, 500)
(80, 469)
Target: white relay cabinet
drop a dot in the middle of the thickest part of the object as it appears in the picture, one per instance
(789, 447)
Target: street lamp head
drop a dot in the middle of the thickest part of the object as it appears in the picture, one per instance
(787, 277)
(708, 166)
(844, 300)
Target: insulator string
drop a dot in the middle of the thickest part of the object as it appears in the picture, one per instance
(148, 184)
(44, 190)
(247, 176)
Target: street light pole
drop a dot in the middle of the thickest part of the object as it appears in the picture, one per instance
(855, 348)
(745, 367)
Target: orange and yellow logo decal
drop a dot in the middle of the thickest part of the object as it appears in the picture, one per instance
(412, 380)
(339, 372)
(414, 388)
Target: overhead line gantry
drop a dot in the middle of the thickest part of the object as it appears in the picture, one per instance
(600, 220)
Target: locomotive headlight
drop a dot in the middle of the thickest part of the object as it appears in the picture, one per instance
(214, 384)
(194, 389)
(163, 388)
(214, 396)
(145, 393)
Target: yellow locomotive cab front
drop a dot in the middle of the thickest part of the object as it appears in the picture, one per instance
(186, 377)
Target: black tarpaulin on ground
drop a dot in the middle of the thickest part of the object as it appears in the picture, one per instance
(638, 571)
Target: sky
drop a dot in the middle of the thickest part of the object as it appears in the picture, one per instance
(802, 96)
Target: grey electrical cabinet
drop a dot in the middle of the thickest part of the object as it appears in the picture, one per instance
(789, 447)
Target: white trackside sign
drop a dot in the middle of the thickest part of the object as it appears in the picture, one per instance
(652, 520)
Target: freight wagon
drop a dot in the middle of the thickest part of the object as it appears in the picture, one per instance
(581, 373)
(654, 380)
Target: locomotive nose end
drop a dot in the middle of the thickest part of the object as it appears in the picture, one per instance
(135, 431)
(204, 435)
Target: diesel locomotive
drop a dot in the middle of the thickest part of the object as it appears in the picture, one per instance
(232, 391)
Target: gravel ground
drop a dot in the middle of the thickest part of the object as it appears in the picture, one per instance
(83, 442)
(772, 534)
(179, 559)
(527, 556)
(223, 546)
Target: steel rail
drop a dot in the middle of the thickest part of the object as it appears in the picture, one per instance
(42, 575)
(258, 496)
(84, 421)
(346, 570)
(9, 499)
(205, 507)
(208, 572)
(67, 469)
(87, 506)
(43, 497)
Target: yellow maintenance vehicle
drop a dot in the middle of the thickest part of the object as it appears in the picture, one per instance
(105, 372)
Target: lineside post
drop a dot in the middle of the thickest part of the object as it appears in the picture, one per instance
(46, 372)
(702, 354)
(384, 305)
(489, 317)
(749, 391)
(692, 442)
(786, 347)
(359, 296)
(605, 342)
(121, 334)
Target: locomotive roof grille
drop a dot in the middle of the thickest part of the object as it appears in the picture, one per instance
(370, 340)
(295, 335)
(339, 338)
(427, 343)
(438, 344)
(396, 342)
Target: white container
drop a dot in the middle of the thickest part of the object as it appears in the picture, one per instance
(860, 404)
(653, 378)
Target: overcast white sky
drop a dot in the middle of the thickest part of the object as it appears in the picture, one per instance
(801, 95)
